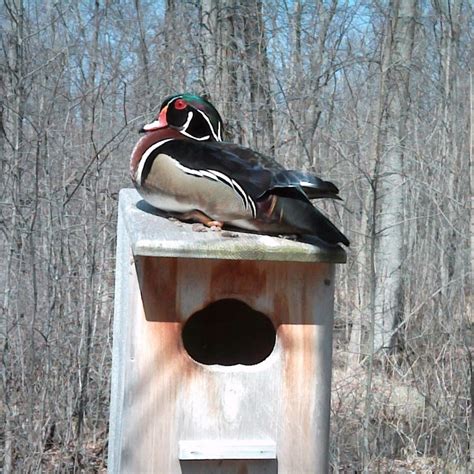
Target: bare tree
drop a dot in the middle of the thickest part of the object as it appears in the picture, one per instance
(388, 174)
(372, 95)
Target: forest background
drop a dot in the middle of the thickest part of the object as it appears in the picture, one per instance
(376, 96)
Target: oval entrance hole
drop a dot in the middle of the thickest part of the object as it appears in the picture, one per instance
(229, 332)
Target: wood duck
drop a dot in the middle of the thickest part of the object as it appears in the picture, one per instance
(182, 166)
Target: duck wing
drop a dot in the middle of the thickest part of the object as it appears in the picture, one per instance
(313, 186)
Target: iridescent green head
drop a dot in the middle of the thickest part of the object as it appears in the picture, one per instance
(190, 114)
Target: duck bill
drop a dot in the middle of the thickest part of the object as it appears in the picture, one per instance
(160, 122)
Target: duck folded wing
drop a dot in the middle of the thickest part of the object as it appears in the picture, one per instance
(313, 186)
(238, 164)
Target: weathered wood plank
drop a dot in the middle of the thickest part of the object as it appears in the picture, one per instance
(157, 236)
(166, 407)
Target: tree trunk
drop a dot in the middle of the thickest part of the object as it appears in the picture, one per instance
(16, 80)
(144, 57)
(235, 70)
(208, 47)
(390, 246)
(229, 32)
(259, 81)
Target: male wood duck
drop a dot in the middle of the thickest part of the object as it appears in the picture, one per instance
(182, 166)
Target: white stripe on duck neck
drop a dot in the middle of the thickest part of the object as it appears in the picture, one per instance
(206, 118)
(143, 159)
(186, 125)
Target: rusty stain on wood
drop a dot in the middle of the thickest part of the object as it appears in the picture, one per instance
(170, 397)
(158, 283)
(236, 278)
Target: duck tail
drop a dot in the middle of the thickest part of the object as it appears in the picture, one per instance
(302, 216)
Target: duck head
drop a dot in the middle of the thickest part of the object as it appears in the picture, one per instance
(191, 115)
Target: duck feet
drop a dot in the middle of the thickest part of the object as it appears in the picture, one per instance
(202, 219)
(215, 226)
(198, 227)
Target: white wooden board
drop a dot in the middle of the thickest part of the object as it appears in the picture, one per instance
(228, 449)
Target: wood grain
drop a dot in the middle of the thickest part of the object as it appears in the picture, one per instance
(166, 405)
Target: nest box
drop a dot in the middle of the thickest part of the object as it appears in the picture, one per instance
(222, 350)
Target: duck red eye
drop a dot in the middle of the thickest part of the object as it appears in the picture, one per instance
(180, 104)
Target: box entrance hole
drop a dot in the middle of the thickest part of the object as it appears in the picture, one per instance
(229, 332)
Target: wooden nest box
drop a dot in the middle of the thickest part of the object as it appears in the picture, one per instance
(222, 350)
